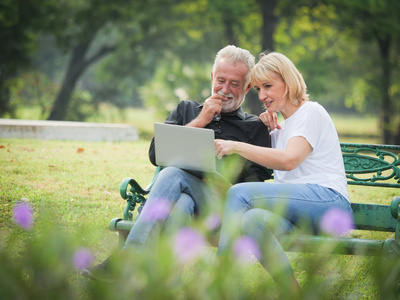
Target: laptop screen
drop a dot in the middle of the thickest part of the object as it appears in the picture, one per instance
(184, 147)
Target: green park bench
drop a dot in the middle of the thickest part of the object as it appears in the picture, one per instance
(374, 166)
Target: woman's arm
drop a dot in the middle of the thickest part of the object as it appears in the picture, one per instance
(296, 151)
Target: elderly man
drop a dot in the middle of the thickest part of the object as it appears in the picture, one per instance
(186, 192)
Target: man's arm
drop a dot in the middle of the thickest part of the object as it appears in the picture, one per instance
(152, 153)
(212, 107)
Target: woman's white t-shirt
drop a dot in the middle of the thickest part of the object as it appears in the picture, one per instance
(324, 165)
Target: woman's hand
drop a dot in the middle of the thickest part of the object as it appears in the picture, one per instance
(224, 147)
(270, 119)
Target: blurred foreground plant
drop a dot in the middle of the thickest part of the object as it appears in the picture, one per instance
(41, 260)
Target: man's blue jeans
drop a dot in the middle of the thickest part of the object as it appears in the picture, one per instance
(264, 211)
(185, 193)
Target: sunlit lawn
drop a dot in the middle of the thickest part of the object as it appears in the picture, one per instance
(78, 183)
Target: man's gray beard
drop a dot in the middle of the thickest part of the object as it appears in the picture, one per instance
(231, 105)
(228, 107)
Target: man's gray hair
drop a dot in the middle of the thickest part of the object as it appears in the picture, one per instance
(236, 55)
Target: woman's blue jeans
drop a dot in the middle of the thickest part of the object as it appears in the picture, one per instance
(264, 211)
(186, 195)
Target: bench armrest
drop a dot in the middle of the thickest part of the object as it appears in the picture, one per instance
(395, 211)
(135, 194)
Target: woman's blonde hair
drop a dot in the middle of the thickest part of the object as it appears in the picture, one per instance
(279, 64)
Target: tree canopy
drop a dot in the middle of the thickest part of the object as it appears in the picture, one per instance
(69, 56)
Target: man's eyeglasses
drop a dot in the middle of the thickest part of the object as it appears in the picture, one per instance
(215, 124)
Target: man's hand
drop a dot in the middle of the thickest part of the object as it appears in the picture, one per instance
(212, 107)
(270, 119)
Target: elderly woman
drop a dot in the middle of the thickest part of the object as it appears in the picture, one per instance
(309, 176)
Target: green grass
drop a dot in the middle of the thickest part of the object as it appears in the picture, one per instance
(360, 126)
(81, 188)
(72, 186)
(78, 174)
(77, 185)
(79, 181)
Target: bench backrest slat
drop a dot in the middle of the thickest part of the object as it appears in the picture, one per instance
(372, 165)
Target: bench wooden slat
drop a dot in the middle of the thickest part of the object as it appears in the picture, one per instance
(333, 245)
(373, 217)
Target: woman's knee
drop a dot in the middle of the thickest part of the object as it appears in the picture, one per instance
(262, 220)
(237, 193)
(253, 220)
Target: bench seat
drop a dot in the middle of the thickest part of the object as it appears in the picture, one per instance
(365, 165)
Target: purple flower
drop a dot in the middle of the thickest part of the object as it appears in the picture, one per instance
(337, 222)
(212, 222)
(157, 210)
(82, 258)
(23, 215)
(244, 247)
(189, 245)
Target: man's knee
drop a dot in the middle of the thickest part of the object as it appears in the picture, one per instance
(170, 171)
(185, 204)
(170, 174)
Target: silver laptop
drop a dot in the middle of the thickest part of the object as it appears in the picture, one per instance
(184, 147)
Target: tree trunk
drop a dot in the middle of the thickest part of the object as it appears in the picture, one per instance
(77, 66)
(397, 137)
(270, 21)
(75, 69)
(229, 32)
(386, 110)
(5, 106)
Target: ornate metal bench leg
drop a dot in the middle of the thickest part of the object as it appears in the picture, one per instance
(122, 235)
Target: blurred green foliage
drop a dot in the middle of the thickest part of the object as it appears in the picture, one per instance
(153, 54)
(74, 194)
